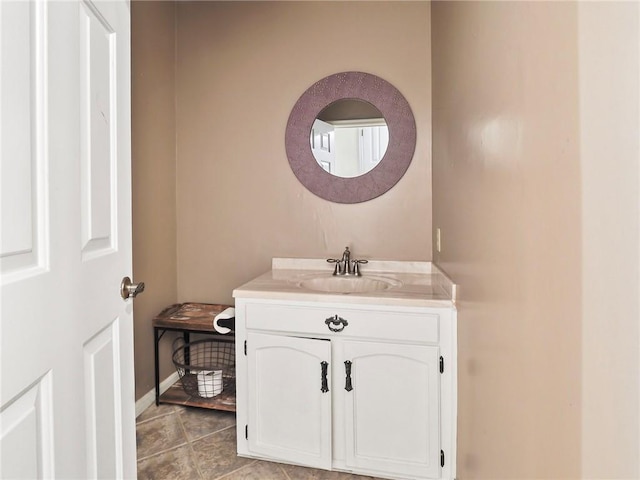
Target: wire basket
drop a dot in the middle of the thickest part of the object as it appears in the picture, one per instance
(206, 367)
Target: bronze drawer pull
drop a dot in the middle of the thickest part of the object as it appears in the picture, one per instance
(336, 320)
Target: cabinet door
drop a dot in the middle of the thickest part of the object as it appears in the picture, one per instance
(289, 413)
(392, 412)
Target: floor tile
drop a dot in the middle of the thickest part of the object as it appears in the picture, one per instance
(199, 422)
(207, 451)
(155, 411)
(176, 464)
(158, 434)
(258, 470)
(216, 454)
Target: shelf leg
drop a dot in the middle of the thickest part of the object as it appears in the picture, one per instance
(156, 340)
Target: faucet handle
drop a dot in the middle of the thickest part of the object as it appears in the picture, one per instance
(356, 267)
(336, 262)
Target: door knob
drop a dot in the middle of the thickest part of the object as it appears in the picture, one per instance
(129, 289)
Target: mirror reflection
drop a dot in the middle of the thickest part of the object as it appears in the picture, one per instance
(349, 137)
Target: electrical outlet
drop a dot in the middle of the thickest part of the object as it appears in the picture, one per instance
(438, 241)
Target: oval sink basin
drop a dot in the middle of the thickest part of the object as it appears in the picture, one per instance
(336, 284)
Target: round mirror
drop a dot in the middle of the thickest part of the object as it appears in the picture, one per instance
(349, 91)
(349, 137)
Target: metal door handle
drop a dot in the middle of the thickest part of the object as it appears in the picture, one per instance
(324, 387)
(129, 289)
(347, 385)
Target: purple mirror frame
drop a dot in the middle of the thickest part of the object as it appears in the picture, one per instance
(402, 137)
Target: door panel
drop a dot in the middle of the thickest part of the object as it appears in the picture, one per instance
(289, 414)
(98, 131)
(27, 433)
(66, 335)
(102, 397)
(392, 413)
(323, 145)
(23, 187)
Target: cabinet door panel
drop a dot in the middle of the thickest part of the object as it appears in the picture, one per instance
(289, 414)
(392, 413)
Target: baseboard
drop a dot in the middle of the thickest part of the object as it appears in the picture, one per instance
(149, 398)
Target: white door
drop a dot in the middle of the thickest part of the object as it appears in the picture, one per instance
(373, 143)
(289, 400)
(67, 396)
(392, 409)
(322, 141)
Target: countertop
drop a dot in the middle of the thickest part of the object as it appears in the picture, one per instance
(420, 283)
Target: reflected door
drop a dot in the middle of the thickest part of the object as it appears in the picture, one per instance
(323, 145)
(373, 145)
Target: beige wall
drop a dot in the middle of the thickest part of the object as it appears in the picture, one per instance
(609, 52)
(153, 171)
(506, 194)
(241, 68)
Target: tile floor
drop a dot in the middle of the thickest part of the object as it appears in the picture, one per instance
(176, 443)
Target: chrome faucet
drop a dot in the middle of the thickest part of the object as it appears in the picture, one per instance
(346, 261)
(346, 266)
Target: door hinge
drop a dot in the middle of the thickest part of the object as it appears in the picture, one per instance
(442, 458)
(246, 432)
(441, 364)
(245, 348)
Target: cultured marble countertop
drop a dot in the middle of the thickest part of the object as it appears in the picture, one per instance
(420, 283)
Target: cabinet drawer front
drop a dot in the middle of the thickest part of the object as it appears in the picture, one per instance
(386, 325)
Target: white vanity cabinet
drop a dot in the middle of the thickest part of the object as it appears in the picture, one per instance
(376, 397)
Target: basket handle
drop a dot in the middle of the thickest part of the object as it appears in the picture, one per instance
(178, 343)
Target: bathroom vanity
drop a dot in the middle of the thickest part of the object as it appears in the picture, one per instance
(346, 372)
